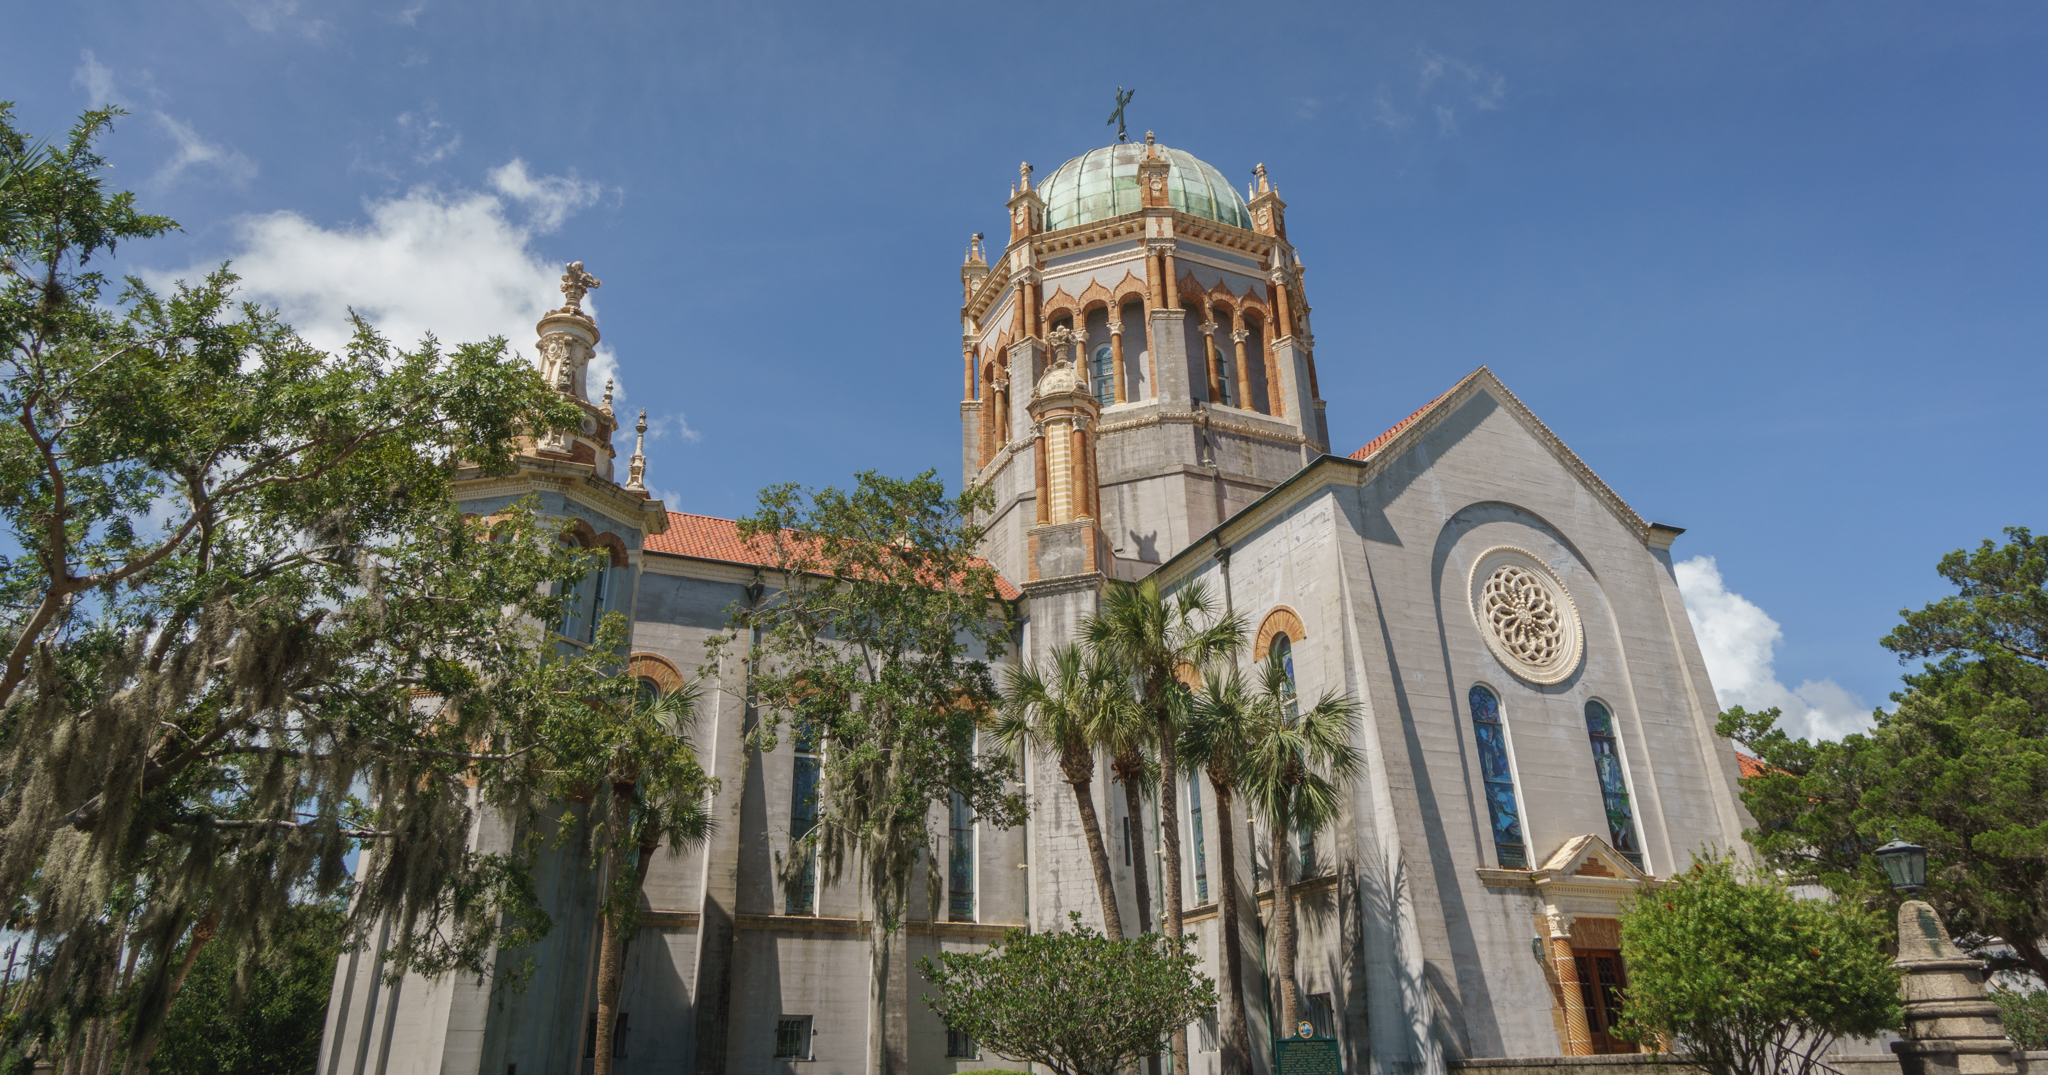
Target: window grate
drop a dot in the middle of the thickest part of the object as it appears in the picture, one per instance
(793, 1037)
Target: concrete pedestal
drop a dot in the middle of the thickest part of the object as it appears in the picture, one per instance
(1952, 1024)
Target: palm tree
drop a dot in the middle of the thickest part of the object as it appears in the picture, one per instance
(657, 793)
(1063, 717)
(1153, 639)
(1223, 727)
(1129, 741)
(1292, 777)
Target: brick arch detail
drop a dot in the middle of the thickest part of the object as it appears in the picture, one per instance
(588, 537)
(666, 676)
(1281, 619)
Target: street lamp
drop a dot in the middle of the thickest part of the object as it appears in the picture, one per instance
(1905, 863)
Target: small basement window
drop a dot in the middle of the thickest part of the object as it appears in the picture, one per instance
(793, 1037)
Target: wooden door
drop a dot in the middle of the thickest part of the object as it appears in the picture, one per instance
(1602, 981)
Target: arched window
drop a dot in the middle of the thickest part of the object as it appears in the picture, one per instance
(1499, 779)
(1101, 376)
(1621, 820)
(585, 601)
(1281, 649)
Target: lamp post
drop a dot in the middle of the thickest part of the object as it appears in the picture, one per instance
(1952, 1025)
(1905, 863)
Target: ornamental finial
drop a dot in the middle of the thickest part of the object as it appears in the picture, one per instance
(607, 395)
(577, 283)
(636, 468)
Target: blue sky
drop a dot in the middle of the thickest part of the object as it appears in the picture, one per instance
(1775, 271)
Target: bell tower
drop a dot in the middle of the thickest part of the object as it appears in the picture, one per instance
(1137, 365)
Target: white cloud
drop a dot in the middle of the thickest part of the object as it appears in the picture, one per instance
(674, 425)
(96, 80)
(432, 140)
(549, 199)
(271, 16)
(1385, 114)
(1449, 83)
(191, 151)
(458, 265)
(194, 151)
(1739, 642)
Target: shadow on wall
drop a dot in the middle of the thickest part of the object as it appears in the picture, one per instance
(1406, 1020)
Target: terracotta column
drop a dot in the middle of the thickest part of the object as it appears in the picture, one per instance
(967, 373)
(1170, 280)
(1078, 491)
(1283, 306)
(1116, 351)
(1273, 392)
(1044, 490)
(1244, 371)
(1152, 280)
(1578, 1039)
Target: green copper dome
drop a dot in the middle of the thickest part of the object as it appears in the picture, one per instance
(1103, 183)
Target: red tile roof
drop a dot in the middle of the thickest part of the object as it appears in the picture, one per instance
(1751, 766)
(1381, 441)
(703, 537)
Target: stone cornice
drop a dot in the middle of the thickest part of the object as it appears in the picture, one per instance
(578, 481)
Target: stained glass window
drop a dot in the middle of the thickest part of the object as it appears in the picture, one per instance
(800, 896)
(1500, 782)
(1621, 820)
(1195, 825)
(960, 864)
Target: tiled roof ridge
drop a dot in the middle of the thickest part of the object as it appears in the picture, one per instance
(1485, 378)
(708, 537)
(1380, 441)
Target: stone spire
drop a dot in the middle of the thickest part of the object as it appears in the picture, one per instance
(636, 467)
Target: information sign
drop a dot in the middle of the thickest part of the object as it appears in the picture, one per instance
(1317, 1056)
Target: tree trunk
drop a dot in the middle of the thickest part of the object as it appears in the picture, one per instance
(888, 897)
(2028, 948)
(611, 957)
(1169, 860)
(1283, 935)
(1134, 809)
(1237, 1043)
(1098, 856)
(138, 1061)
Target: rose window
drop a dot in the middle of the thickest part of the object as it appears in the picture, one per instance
(1525, 615)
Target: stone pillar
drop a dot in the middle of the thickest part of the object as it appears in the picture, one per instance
(1293, 399)
(1170, 359)
(1169, 284)
(1578, 1037)
(1116, 353)
(1244, 371)
(1952, 1025)
(1209, 354)
(1039, 473)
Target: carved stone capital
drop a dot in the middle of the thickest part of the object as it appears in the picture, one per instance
(1240, 335)
(1209, 327)
(1160, 246)
(1116, 325)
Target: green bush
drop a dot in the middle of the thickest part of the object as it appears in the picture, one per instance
(2025, 1015)
(1743, 978)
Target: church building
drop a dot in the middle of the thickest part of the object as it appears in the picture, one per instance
(1139, 390)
